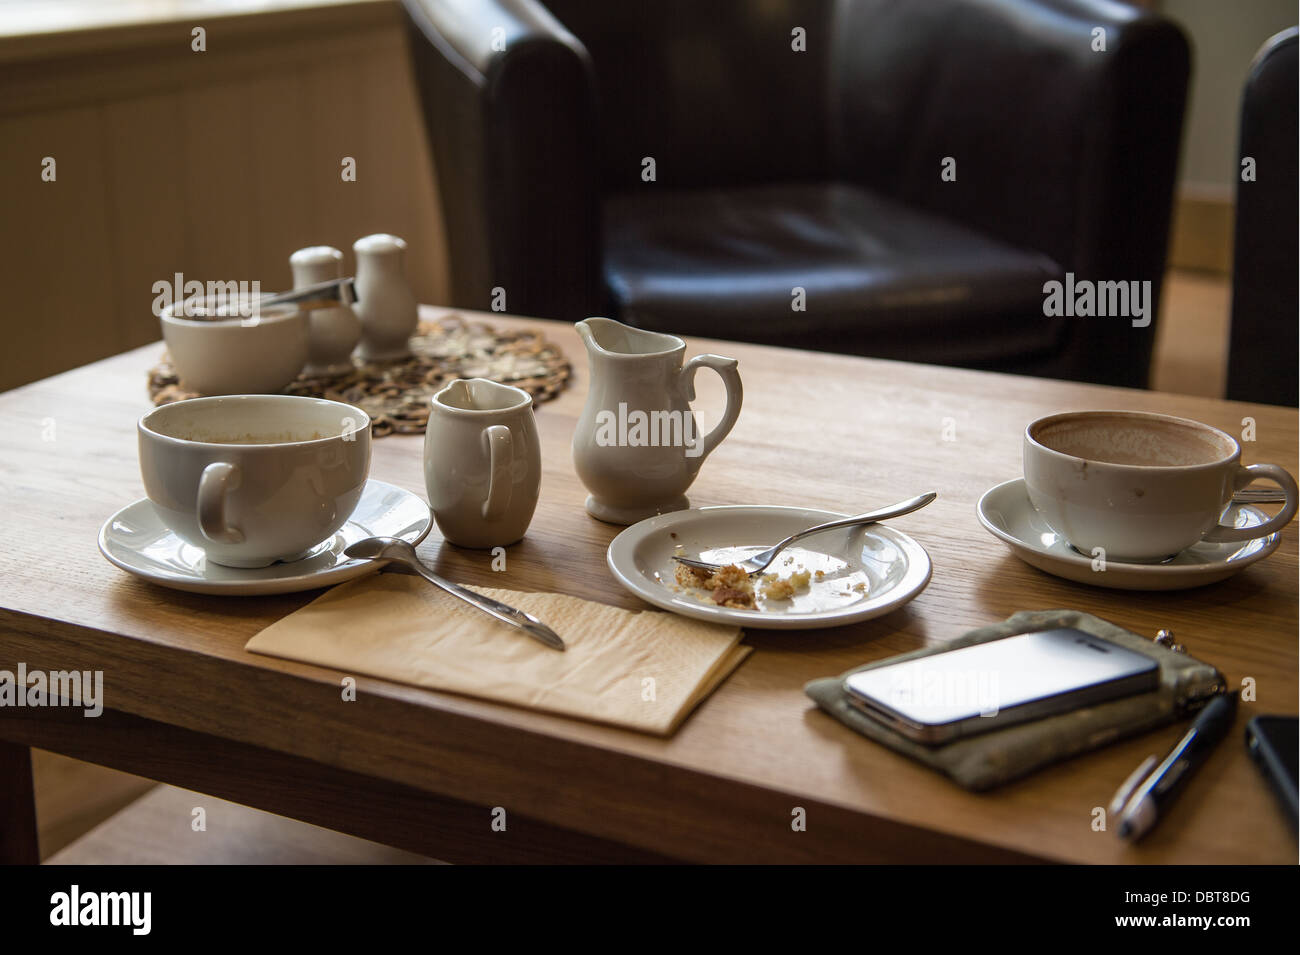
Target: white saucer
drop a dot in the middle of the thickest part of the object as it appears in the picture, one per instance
(1007, 514)
(894, 567)
(136, 540)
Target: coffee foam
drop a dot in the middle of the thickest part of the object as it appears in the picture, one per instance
(250, 422)
(282, 437)
(1120, 439)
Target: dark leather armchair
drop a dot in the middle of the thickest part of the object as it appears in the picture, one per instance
(1265, 337)
(787, 178)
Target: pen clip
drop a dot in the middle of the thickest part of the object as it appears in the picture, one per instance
(1130, 785)
(1201, 697)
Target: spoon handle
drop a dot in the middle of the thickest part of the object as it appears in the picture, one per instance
(1259, 495)
(495, 608)
(871, 517)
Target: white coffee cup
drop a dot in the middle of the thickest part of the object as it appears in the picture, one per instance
(252, 479)
(1141, 487)
(482, 462)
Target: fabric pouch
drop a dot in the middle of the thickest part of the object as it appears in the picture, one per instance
(999, 756)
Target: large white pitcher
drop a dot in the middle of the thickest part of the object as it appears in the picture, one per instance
(637, 447)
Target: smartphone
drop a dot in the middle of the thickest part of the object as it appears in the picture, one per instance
(1273, 742)
(944, 696)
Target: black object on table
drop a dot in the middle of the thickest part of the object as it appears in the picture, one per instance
(1273, 742)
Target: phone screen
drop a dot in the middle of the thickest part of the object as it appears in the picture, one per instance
(989, 679)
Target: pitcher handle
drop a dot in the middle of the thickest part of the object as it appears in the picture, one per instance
(501, 463)
(726, 369)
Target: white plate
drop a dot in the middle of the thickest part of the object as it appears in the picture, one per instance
(136, 540)
(893, 567)
(1007, 514)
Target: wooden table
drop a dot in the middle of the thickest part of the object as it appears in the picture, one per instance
(423, 770)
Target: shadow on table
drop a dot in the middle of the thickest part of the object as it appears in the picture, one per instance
(129, 593)
(1005, 589)
(904, 626)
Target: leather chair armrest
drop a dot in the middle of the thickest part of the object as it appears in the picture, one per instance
(509, 105)
(1264, 339)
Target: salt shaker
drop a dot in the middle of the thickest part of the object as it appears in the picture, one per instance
(334, 328)
(385, 303)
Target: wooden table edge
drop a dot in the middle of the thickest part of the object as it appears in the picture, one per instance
(833, 835)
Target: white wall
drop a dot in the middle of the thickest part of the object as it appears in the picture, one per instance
(1225, 35)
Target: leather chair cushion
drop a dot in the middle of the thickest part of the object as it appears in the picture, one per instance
(879, 278)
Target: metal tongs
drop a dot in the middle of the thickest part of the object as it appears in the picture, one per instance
(315, 296)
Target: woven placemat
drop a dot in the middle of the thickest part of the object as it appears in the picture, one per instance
(396, 393)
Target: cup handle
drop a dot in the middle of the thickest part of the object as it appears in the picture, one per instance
(501, 459)
(217, 478)
(726, 369)
(1223, 533)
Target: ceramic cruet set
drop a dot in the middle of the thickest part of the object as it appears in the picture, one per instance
(278, 485)
(231, 347)
(251, 479)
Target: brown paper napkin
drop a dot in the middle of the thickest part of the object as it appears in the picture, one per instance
(644, 670)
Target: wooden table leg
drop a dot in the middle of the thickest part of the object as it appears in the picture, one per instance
(18, 839)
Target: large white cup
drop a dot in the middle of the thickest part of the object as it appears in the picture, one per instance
(252, 479)
(1141, 487)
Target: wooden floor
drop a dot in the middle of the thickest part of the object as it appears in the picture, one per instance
(1192, 335)
(170, 826)
(77, 799)
(74, 797)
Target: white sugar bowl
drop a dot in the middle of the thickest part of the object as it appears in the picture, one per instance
(220, 349)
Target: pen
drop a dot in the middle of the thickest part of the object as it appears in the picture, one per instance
(1148, 793)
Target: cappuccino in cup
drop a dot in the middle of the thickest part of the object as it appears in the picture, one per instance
(1140, 487)
(252, 479)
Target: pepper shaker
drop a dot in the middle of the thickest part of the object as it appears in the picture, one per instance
(334, 327)
(386, 304)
